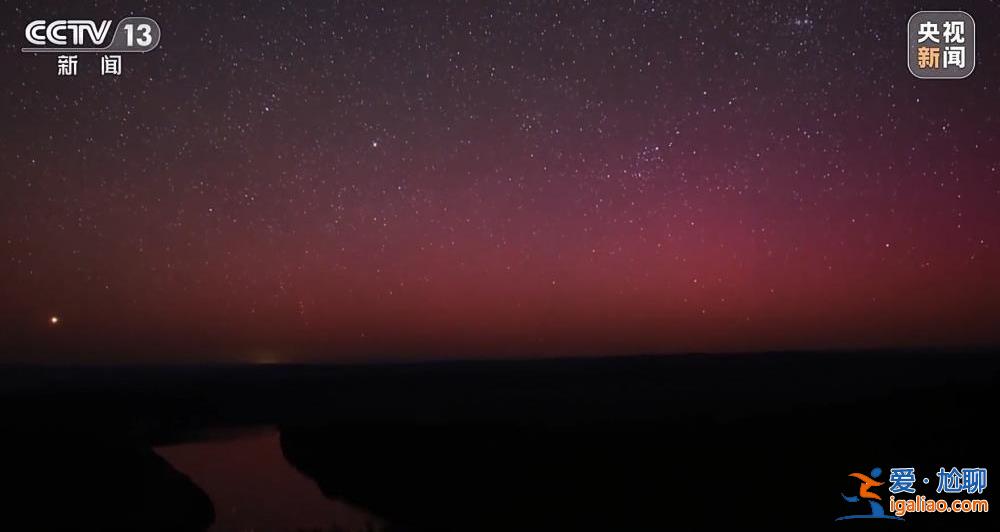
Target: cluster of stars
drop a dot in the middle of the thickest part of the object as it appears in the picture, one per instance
(431, 179)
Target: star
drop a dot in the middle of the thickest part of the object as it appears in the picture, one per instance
(536, 156)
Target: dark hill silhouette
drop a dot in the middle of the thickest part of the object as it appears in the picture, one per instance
(697, 442)
(81, 481)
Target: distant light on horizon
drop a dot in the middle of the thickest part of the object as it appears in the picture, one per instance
(266, 357)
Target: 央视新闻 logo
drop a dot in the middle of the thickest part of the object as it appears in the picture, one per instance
(941, 44)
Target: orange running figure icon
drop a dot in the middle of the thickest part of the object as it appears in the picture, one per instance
(864, 492)
(866, 483)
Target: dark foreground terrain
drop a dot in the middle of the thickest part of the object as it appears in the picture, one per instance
(700, 442)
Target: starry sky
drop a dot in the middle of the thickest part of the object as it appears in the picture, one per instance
(328, 181)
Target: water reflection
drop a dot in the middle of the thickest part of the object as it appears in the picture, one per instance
(254, 488)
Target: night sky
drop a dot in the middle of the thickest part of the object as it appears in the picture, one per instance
(284, 181)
